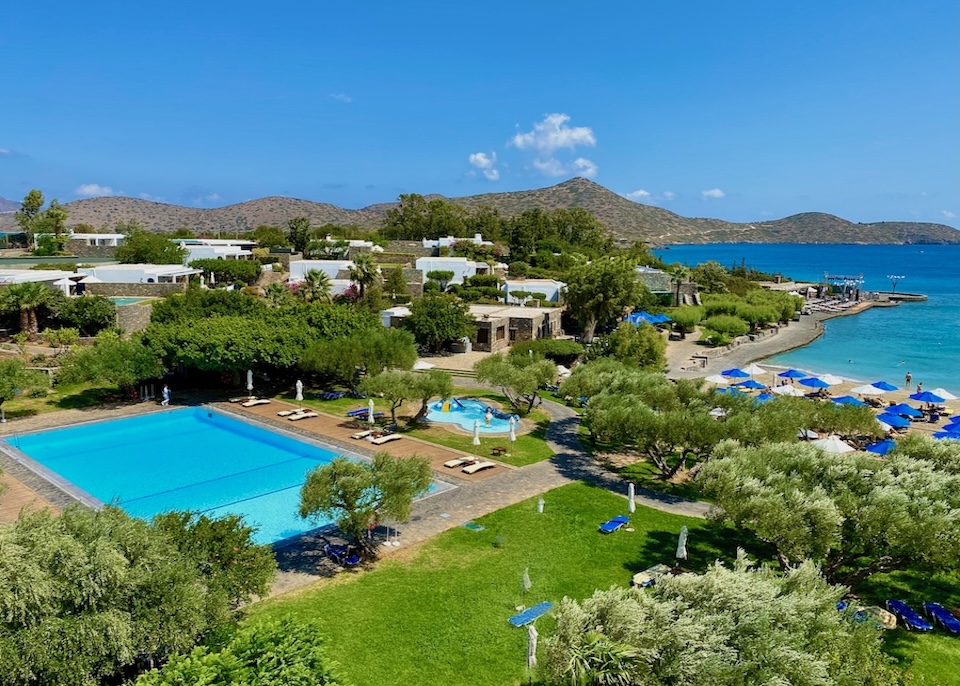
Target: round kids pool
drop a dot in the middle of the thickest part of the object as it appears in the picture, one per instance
(464, 412)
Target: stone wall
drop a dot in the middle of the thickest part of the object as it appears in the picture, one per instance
(284, 258)
(414, 248)
(135, 290)
(79, 247)
(135, 317)
(395, 258)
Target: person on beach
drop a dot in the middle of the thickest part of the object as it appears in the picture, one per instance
(166, 395)
(919, 386)
(907, 379)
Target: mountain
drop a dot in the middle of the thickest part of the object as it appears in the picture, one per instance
(628, 220)
(8, 206)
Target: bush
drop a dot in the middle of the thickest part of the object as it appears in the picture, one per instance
(230, 271)
(89, 314)
(726, 324)
(560, 352)
(714, 339)
(519, 269)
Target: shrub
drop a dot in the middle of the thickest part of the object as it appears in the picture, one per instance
(726, 324)
(561, 352)
(230, 271)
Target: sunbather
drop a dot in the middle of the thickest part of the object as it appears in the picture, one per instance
(460, 462)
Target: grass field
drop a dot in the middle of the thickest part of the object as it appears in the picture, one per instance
(438, 613)
(63, 397)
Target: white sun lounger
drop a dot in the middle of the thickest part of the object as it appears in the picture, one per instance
(478, 467)
(253, 402)
(385, 439)
(287, 413)
(302, 415)
(459, 462)
(361, 434)
(241, 399)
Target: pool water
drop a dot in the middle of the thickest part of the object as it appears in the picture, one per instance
(127, 301)
(464, 412)
(189, 459)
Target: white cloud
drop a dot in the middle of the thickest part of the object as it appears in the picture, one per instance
(342, 97)
(552, 134)
(584, 167)
(668, 195)
(212, 197)
(638, 194)
(491, 174)
(486, 163)
(713, 194)
(147, 196)
(948, 214)
(550, 167)
(90, 190)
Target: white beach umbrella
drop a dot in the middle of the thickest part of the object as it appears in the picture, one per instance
(807, 435)
(213, 279)
(299, 387)
(250, 381)
(90, 278)
(946, 395)
(513, 429)
(884, 426)
(370, 410)
(718, 412)
(787, 390)
(563, 372)
(867, 390)
(755, 369)
(717, 379)
(831, 379)
(631, 494)
(832, 444)
(421, 366)
(682, 544)
(64, 285)
(476, 432)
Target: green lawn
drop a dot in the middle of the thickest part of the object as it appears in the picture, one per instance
(438, 614)
(64, 397)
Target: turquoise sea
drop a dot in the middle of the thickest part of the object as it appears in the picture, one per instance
(882, 343)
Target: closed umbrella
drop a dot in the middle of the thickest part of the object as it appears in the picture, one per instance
(755, 369)
(476, 432)
(814, 382)
(882, 447)
(682, 544)
(832, 444)
(791, 374)
(370, 410)
(884, 385)
(927, 397)
(945, 394)
(299, 387)
(531, 646)
(717, 379)
(788, 390)
(735, 373)
(513, 429)
(250, 381)
(867, 390)
(631, 494)
(894, 420)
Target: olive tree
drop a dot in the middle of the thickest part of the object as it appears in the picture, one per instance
(518, 376)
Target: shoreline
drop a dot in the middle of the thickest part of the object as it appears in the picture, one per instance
(687, 360)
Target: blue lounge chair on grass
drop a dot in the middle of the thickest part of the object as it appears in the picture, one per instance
(614, 524)
(341, 555)
(530, 614)
(942, 617)
(907, 616)
(333, 395)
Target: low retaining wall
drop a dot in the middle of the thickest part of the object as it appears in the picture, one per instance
(135, 290)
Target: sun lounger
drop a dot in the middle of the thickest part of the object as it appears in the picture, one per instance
(253, 402)
(478, 467)
(287, 413)
(241, 399)
(358, 412)
(385, 439)
(459, 462)
(908, 616)
(332, 395)
(302, 415)
(530, 614)
(942, 617)
(649, 576)
(361, 434)
(614, 524)
(341, 555)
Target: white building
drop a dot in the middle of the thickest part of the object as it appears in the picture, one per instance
(215, 248)
(47, 276)
(103, 240)
(549, 287)
(299, 268)
(140, 273)
(447, 241)
(461, 267)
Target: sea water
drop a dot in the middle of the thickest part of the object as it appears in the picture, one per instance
(922, 338)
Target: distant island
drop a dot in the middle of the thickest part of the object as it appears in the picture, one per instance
(627, 220)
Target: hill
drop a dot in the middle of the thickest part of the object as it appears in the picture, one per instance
(628, 220)
(8, 206)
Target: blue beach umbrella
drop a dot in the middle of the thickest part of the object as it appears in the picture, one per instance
(729, 391)
(735, 373)
(896, 421)
(749, 383)
(927, 397)
(848, 400)
(884, 386)
(882, 447)
(764, 397)
(663, 319)
(952, 435)
(903, 409)
(814, 382)
(792, 374)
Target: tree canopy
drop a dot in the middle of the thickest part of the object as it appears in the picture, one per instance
(726, 627)
(366, 353)
(600, 292)
(642, 346)
(16, 379)
(438, 318)
(116, 360)
(853, 514)
(142, 247)
(520, 377)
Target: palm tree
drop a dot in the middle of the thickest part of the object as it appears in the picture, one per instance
(364, 272)
(27, 298)
(278, 294)
(315, 287)
(679, 273)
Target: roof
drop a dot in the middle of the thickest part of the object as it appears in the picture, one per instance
(155, 269)
(8, 276)
(509, 311)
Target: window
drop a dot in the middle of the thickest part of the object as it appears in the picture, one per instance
(483, 336)
(502, 332)
(513, 335)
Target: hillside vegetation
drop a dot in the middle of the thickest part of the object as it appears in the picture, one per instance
(628, 220)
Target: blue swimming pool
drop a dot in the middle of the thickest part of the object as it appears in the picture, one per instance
(463, 413)
(189, 459)
(117, 300)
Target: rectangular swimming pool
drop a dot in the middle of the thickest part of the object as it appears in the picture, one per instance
(118, 300)
(190, 459)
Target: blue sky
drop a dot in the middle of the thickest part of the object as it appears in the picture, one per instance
(742, 110)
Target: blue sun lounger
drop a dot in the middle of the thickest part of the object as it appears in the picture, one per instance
(530, 614)
(614, 524)
(942, 617)
(908, 616)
